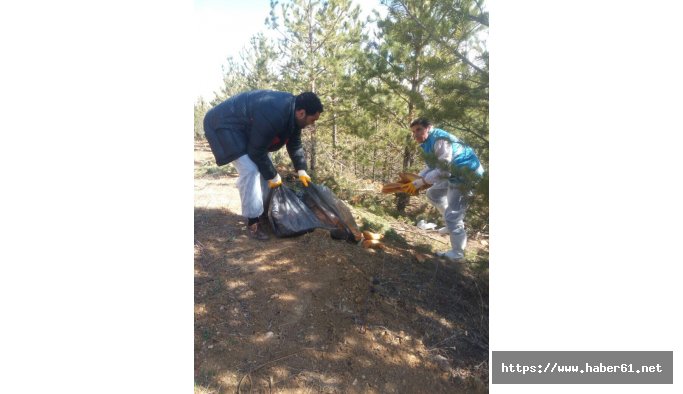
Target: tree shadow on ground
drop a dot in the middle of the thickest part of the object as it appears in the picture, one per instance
(314, 314)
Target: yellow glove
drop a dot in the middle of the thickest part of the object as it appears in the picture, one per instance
(411, 187)
(275, 182)
(304, 178)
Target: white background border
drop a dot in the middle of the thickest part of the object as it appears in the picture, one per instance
(96, 159)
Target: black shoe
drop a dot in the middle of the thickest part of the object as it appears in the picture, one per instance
(264, 223)
(255, 231)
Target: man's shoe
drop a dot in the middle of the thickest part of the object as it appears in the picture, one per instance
(451, 256)
(443, 230)
(264, 221)
(255, 232)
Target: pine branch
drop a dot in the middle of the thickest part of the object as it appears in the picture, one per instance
(440, 39)
(469, 131)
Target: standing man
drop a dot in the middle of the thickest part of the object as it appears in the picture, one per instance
(245, 128)
(445, 192)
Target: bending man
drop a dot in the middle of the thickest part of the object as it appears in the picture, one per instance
(245, 128)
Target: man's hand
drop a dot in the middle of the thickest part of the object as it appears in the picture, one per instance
(275, 182)
(411, 187)
(304, 178)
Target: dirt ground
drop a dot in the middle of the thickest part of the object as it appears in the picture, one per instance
(311, 314)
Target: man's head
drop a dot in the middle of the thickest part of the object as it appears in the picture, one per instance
(420, 128)
(307, 109)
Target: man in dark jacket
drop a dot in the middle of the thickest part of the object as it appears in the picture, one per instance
(245, 128)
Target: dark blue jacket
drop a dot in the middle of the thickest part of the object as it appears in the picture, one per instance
(255, 123)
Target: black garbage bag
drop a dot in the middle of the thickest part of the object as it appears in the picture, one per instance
(332, 212)
(288, 215)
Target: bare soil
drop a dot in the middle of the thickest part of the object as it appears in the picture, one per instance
(311, 314)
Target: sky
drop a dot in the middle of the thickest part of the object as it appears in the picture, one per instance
(222, 28)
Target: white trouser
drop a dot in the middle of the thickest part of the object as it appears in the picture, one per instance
(452, 204)
(252, 187)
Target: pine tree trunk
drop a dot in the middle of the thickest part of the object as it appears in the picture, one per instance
(334, 135)
(314, 142)
(384, 167)
(374, 162)
(403, 199)
(353, 160)
(374, 151)
(314, 139)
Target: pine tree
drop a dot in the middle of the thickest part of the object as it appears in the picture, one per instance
(421, 59)
(259, 63)
(396, 64)
(200, 109)
(234, 81)
(316, 38)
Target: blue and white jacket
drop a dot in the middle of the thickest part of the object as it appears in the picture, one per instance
(449, 148)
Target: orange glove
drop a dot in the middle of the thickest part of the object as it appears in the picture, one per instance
(275, 182)
(304, 178)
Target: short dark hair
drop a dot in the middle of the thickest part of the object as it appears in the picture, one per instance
(308, 101)
(424, 122)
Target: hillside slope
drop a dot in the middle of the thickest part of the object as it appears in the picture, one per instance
(312, 314)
